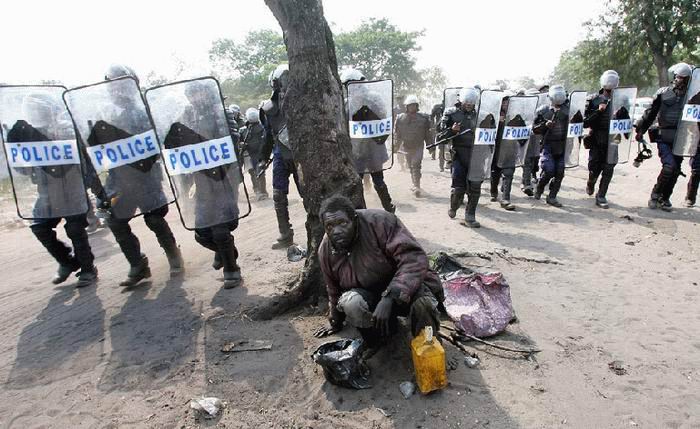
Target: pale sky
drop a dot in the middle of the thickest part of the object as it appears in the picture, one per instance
(74, 41)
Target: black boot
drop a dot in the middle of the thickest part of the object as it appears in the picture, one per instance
(384, 197)
(286, 237)
(605, 179)
(693, 184)
(232, 272)
(590, 183)
(554, 190)
(539, 189)
(87, 277)
(495, 179)
(472, 202)
(137, 272)
(166, 239)
(506, 187)
(67, 264)
(218, 263)
(456, 198)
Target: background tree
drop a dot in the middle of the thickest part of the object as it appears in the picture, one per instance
(377, 47)
(640, 39)
(382, 51)
(318, 132)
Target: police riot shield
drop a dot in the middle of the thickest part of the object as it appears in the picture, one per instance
(574, 135)
(124, 158)
(41, 152)
(534, 146)
(369, 114)
(621, 132)
(450, 97)
(485, 135)
(200, 155)
(688, 133)
(516, 131)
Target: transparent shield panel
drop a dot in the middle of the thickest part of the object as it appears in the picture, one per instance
(688, 134)
(621, 131)
(41, 152)
(517, 130)
(450, 97)
(370, 125)
(117, 134)
(577, 110)
(199, 153)
(485, 135)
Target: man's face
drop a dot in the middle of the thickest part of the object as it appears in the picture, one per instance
(412, 108)
(468, 107)
(340, 229)
(680, 82)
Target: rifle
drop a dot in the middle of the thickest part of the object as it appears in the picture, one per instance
(445, 140)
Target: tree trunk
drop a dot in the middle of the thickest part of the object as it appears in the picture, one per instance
(662, 66)
(318, 133)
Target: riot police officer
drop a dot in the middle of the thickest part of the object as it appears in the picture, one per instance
(234, 117)
(667, 107)
(413, 133)
(435, 116)
(370, 154)
(253, 137)
(41, 112)
(597, 118)
(277, 142)
(693, 181)
(532, 158)
(552, 123)
(118, 182)
(459, 124)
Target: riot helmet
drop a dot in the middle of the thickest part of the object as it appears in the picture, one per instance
(252, 115)
(40, 110)
(115, 71)
(235, 109)
(557, 94)
(469, 96)
(680, 73)
(411, 99)
(609, 80)
(279, 78)
(350, 74)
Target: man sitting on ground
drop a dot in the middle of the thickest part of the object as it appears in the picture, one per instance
(374, 270)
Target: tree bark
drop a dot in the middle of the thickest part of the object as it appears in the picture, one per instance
(318, 133)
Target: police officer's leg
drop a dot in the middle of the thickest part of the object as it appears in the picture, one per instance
(547, 172)
(204, 237)
(495, 180)
(693, 181)
(526, 183)
(441, 157)
(605, 179)
(473, 195)
(155, 220)
(44, 231)
(666, 176)
(459, 182)
(555, 185)
(131, 248)
(383, 191)
(597, 157)
(280, 189)
(76, 230)
(678, 161)
(223, 239)
(254, 182)
(416, 159)
(507, 176)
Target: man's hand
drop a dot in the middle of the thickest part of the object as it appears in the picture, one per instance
(456, 127)
(549, 124)
(602, 107)
(325, 331)
(382, 315)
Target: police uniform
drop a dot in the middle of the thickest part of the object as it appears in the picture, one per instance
(553, 159)
(413, 133)
(599, 123)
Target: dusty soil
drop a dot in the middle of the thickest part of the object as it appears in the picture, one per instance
(624, 288)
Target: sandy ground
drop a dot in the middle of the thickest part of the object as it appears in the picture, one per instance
(625, 289)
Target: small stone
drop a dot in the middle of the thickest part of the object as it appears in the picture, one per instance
(407, 389)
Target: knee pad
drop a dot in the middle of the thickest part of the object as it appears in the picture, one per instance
(668, 170)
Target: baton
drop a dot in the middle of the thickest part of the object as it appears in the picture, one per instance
(264, 168)
(443, 141)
